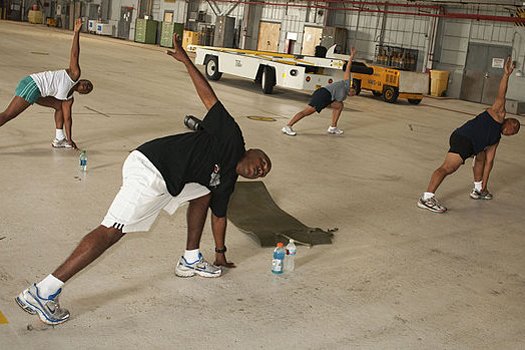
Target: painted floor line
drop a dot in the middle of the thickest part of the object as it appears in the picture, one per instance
(3, 319)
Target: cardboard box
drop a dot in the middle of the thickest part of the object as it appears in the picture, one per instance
(190, 38)
(35, 17)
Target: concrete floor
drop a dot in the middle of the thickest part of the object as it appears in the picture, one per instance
(396, 277)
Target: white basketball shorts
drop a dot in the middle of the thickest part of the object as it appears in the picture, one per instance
(143, 195)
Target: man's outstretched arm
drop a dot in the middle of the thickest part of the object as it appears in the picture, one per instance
(202, 86)
(74, 66)
(499, 104)
(349, 64)
(490, 154)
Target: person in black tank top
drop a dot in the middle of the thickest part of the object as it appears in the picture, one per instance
(478, 137)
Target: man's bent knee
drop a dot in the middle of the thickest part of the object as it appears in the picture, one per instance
(337, 105)
(111, 234)
(450, 168)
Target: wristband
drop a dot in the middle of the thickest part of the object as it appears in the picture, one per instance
(220, 250)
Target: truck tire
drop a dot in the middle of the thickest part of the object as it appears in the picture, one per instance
(414, 101)
(390, 94)
(268, 79)
(356, 84)
(377, 93)
(212, 68)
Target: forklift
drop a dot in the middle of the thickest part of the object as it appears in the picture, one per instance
(389, 83)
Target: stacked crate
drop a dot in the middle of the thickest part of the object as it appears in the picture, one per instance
(190, 38)
(146, 31)
(35, 17)
(167, 31)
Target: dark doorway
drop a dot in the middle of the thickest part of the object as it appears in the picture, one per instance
(126, 13)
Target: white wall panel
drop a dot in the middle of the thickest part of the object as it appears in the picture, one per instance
(457, 28)
(453, 57)
(178, 8)
(456, 44)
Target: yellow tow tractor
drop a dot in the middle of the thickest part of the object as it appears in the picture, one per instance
(389, 83)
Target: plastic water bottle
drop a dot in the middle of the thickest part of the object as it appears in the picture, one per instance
(291, 251)
(83, 160)
(278, 259)
(192, 123)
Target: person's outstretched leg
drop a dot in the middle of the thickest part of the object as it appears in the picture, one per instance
(304, 113)
(337, 108)
(15, 107)
(42, 298)
(193, 263)
(90, 248)
(452, 162)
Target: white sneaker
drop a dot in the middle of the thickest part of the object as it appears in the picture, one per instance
(61, 143)
(334, 130)
(48, 310)
(475, 194)
(288, 131)
(200, 267)
(431, 204)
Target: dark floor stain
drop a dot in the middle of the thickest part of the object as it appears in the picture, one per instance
(98, 112)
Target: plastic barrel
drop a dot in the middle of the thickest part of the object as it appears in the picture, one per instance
(438, 82)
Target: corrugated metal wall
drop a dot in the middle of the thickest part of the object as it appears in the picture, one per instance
(455, 35)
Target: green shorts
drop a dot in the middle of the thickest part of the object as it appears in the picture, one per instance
(28, 90)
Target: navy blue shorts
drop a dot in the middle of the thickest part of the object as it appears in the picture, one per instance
(321, 99)
(461, 145)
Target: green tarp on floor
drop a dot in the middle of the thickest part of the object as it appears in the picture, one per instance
(254, 212)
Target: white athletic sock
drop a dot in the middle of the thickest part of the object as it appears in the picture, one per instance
(49, 286)
(427, 195)
(59, 134)
(191, 256)
(478, 185)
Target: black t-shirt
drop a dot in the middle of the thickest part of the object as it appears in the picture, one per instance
(208, 157)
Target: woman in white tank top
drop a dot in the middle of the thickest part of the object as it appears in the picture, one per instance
(52, 89)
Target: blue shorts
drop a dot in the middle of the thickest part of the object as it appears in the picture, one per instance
(28, 90)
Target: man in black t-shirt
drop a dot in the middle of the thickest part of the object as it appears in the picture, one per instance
(478, 137)
(197, 167)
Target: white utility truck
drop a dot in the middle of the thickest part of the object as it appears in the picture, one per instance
(271, 69)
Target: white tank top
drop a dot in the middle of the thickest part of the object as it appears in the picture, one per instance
(54, 83)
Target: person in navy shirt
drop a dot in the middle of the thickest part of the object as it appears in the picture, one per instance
(478, 137)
